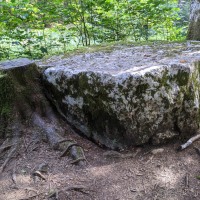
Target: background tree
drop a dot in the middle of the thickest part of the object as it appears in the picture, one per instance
(194, 26)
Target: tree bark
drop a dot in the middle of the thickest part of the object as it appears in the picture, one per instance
(194, 26)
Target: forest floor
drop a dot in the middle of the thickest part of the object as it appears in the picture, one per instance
(106, 176)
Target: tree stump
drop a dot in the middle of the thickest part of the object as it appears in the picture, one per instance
(23, 103)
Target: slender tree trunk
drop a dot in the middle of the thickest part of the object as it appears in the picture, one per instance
(194, 26)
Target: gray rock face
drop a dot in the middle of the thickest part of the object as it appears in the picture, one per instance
(120, 106)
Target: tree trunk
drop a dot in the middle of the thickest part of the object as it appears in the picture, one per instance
(194, 26)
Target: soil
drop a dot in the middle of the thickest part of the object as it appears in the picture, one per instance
(106, 176)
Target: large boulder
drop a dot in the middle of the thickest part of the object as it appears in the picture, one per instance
(130, 96)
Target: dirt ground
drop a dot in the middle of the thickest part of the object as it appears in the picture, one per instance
(168, 175)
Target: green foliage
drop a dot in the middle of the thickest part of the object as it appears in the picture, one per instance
(35, 28)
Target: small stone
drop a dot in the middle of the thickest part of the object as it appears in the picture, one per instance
(157, 151)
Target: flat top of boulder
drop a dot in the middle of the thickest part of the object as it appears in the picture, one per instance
(130, 59)
(21, 62)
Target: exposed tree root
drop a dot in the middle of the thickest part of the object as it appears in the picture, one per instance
(78, 155)
(13, 176)
(78, 188)
(58, 142)
(65, 140)
(15, 143)
(4, 148)
(71, 144)
(187, 180)
(39, 174)
(33, 196)
(189, 142)
(197, 150)
(78, 160)
(10, 155)
(42, 168)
